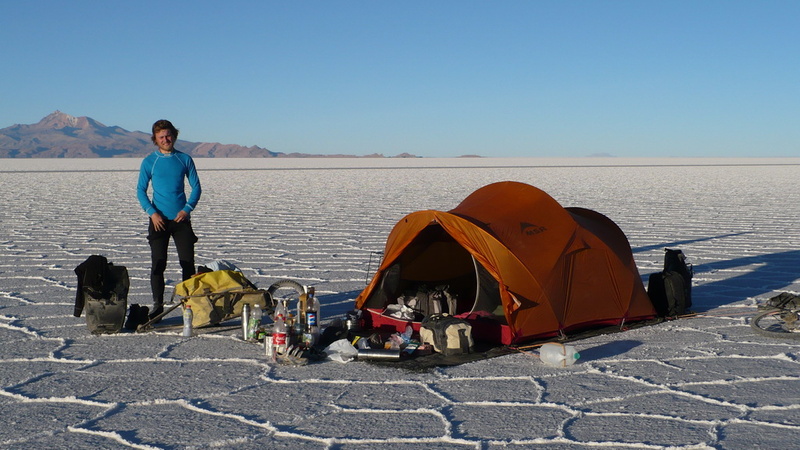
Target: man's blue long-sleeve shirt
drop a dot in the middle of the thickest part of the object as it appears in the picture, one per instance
(166, 172)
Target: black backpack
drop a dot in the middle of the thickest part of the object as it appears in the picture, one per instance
(670, 290)
(103, 293)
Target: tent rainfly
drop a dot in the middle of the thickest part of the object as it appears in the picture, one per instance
(522, 266)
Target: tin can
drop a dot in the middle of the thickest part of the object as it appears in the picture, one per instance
(269, 347)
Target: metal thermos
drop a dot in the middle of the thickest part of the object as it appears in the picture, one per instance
(245, 321)
(378, 354)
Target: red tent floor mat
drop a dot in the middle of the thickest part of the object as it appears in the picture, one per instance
(375, 319)
(485, 330)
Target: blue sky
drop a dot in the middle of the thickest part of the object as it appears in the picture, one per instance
(434, 78)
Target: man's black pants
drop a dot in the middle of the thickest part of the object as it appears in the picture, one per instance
(184, 238)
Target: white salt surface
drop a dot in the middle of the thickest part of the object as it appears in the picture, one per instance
(704, 382)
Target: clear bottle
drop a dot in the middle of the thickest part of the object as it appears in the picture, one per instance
(278, 337)
(280, 312)
(407, 334)
(188, 316)
(558, 355)
(279, 331)
(255, 322)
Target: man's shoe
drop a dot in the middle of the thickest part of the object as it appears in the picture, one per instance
(157, 310)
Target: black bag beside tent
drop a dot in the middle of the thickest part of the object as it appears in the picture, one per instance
(670, 290)
(103, 293)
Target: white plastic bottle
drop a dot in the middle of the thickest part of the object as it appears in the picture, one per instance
(280, 312)
(188, 316)
(558, 355)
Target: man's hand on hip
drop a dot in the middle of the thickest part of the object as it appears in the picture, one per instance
(158, 222)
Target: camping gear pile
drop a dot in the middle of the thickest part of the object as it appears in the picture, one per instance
(208, 299)
(288, 327)
(508, 265)
(212, 296)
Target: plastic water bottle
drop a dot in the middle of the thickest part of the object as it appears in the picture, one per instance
(279, 331)
(255, 322)
(407, 334)
(279, 343)
(188, 316)
(558, 355)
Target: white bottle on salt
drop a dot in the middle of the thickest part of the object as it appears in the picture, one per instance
(558, 355)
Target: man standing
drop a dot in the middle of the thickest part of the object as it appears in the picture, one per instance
(169, 210)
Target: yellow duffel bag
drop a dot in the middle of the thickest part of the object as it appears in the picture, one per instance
(220, 295)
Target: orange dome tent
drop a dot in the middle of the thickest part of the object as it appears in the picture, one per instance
(522, 266)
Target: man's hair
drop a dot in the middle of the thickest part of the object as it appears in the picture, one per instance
(163, 125)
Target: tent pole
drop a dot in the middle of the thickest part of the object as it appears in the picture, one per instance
(477, 283)
(369, 265)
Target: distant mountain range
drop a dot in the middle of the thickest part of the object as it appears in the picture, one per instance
(61, 135)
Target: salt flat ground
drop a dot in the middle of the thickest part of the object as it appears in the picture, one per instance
(705, 382)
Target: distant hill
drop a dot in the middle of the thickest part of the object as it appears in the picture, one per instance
(61, 135)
